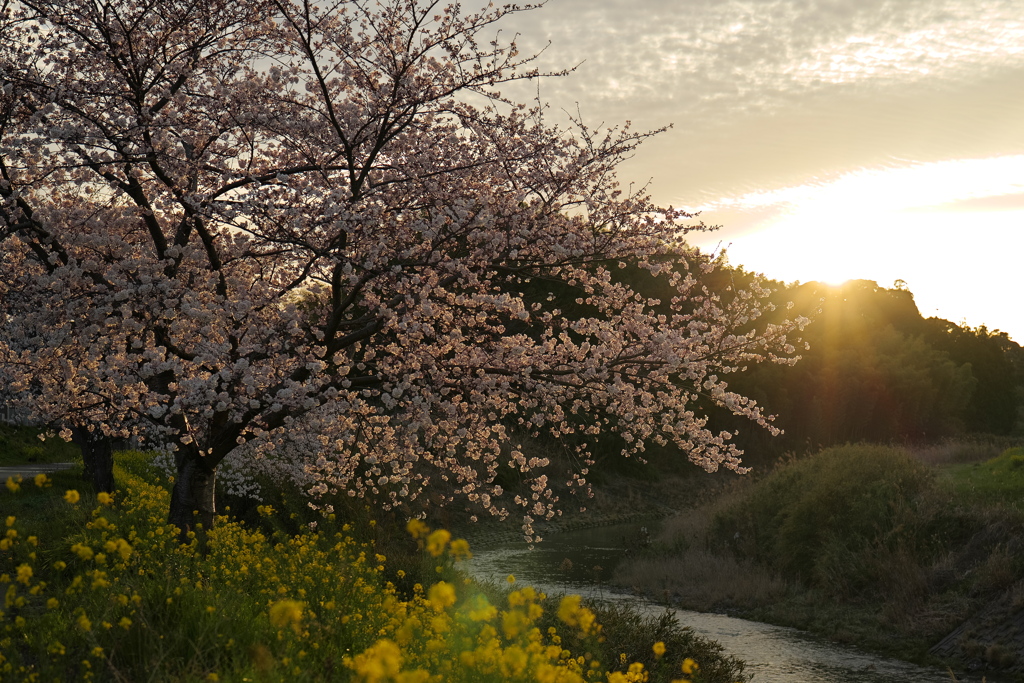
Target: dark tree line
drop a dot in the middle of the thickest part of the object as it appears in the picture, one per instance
(877, 370)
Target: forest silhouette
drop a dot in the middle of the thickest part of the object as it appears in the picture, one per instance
(877, 370)
(873, 370)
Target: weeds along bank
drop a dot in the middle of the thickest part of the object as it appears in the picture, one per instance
(98, 588)
(865, 544)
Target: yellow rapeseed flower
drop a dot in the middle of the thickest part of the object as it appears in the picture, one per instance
(286, 612)
(104, 498)
(10, 520)
(416, 528)
(83, 551)
(41, 480)
(481, 609)
(659, 649)
(24, 574)
(380, 662)
(460, 549)
(572, 613)
(72, 496)
(513, 623)
(437, 541)
(12, 484)
(441, 595)
(689, 666)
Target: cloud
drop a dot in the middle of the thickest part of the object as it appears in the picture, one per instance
(831, 138)
(703, 54)
(1002, 202)
(912, 186)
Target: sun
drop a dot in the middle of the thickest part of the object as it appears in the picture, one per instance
(835, 280)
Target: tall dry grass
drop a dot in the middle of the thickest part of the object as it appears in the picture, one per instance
(964, 449)
(684, 568)
(883, 547)
(702, 580)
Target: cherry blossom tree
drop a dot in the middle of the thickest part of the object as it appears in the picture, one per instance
(316, 239)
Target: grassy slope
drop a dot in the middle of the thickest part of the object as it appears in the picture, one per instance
(996, 481)
(21, 445)
(163, 611)
(863, 544)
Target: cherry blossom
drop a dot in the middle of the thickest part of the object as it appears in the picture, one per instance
(316, 240)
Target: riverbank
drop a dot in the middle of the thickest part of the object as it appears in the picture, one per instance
(98, 587)
(771, 654)
(645, 500)
(863, 545)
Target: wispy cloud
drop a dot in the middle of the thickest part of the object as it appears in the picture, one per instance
(697, 53)
(831, 138)
(914, 186)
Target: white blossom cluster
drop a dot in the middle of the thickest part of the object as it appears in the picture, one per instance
(279, 237)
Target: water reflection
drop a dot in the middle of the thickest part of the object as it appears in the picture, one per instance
(773, 654)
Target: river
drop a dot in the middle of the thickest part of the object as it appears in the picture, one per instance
(773, 654)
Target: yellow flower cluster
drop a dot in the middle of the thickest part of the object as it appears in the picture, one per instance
(689, 669)
(286, 613)
(283, 607)
(574, 614)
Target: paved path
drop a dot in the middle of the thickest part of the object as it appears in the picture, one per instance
(32, 469)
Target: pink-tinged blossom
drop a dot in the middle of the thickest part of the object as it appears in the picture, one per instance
(284, 240)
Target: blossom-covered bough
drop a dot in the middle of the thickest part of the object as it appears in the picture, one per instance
(315, 238)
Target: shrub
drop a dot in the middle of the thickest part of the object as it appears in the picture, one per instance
(825, 518)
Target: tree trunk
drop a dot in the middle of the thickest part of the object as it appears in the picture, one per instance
(97, 457)
(192, 499)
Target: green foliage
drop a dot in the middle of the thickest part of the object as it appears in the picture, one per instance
(99, 588)
(996, 363)
(999, 480)
(875, 547)
(876, 370)
(820, 518)
(630, 633)
(20, 445)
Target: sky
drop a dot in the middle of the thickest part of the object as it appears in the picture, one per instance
(830, 139)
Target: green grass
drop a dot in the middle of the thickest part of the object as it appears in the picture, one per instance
(999, 480)
(21, 445)
(38, 508)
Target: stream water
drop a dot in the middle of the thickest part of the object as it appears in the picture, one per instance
(581, 561)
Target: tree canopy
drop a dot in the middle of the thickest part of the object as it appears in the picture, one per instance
(876, 370)
(309, 238)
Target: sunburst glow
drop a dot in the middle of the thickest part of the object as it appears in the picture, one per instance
(889, 224)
